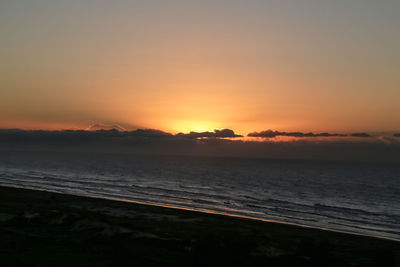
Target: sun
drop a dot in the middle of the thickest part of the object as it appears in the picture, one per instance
(186, 126)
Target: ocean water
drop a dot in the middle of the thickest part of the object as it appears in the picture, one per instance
(346, 196)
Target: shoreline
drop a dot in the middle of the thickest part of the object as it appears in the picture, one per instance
(206, 211)
(33, 216)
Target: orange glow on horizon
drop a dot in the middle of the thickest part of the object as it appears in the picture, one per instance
(186, 126)
(47, 126)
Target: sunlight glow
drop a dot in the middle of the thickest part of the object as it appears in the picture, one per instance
(186, 126)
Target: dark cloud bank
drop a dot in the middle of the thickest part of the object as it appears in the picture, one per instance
(360, 135)
(273, 134)
(220, 143)
(225, 133)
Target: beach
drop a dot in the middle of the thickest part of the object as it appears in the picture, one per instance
(200, 133)
(41, 228)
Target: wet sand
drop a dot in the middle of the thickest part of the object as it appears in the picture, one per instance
(51, 229)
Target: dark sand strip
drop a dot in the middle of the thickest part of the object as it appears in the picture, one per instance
(50, 229)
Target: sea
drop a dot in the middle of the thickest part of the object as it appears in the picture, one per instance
(355, 197)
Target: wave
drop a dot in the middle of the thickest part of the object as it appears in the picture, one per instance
(296, 193)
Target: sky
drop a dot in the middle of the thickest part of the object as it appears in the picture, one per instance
(183, 66)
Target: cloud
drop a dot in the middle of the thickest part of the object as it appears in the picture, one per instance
(224, 133)
(360, 135)
(101, 126)
(149, 133)
(155, 142)
(196, 134)
(272, 134)
(77, 137)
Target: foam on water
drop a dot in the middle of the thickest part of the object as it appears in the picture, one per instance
(354, 197)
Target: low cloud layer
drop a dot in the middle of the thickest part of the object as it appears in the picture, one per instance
(218, 143)
(272, 134)
(101, 126)
(224, 133)
(360, 135)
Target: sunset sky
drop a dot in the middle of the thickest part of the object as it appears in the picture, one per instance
(197, 65)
